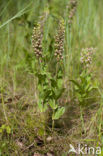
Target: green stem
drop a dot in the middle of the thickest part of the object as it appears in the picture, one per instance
(82, 120)
(3, 105)
(52, 125)
(44, 135)
(53, 122)
(44, 123)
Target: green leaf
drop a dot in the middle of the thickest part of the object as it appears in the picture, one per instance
(53, 83)
(47, 94)
(53, 105)
(60, 83)
(58, 113)
(1, 130)
(40, 88)
(86, 87)
(60, 74)
(79, 97)
(3, 127)
(76, 83)
(58, 93)
(95, 84)
(42, 107)
(90, 88)
(8, 130)
(45, 107)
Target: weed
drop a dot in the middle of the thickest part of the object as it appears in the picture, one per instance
(50, 86)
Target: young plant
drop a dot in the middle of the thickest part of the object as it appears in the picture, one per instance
(85, 84)
(83, 87)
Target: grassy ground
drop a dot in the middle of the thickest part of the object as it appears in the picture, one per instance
(22, 130)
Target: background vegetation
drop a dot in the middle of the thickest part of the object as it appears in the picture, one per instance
(23, 129)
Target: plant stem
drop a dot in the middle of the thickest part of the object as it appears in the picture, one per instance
(52, 125)
(3, 105)
(82, 120)
(53, 122)
(44, 123)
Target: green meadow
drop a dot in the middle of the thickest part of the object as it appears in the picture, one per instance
(51, 76)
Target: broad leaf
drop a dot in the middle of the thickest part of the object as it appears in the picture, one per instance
(58, 113)
(53, 105)
(42, 107)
